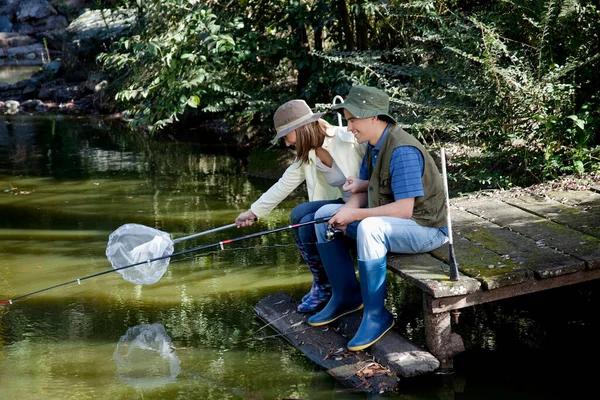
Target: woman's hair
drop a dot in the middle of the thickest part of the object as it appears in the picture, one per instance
(309, 137)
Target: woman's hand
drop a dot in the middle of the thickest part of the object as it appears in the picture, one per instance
(355, 185)
(246, 218)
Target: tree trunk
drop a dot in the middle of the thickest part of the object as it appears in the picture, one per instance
(319, 38)
(303, 70)
(346, 23)
(362, 30)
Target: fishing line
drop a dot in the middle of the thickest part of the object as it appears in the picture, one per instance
(221, 244)
(277, 335)
(285, 314)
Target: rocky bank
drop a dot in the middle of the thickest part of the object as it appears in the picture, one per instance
(63, 37)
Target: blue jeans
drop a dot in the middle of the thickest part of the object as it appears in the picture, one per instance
(375, 236)
(306, 238)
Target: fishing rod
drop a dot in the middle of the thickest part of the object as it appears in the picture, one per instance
(195, 235)
(221, 244)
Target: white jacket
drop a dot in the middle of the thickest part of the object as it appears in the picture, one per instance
(346, 152)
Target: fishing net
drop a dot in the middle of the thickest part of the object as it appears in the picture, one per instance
(146, 358)
(133, 243)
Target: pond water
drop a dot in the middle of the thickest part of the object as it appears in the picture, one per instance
(66, 183)
(12, 74)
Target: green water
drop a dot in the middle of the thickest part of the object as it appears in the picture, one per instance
(66, 183)
(12, 74)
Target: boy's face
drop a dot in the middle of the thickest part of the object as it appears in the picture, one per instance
(358, 126)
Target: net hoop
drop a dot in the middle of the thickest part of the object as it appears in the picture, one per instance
(135, 243)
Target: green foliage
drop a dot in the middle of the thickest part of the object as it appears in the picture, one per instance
(177, 61)
(515, 78)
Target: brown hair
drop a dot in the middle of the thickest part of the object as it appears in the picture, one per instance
(310, 137)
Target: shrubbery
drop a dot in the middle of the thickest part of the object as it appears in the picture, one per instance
(515, 80)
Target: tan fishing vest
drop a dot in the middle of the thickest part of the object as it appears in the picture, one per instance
(430, 209)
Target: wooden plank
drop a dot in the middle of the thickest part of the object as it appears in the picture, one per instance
(491, 269)
(323, 346)
(447, 304)
(595, 187)
(541, 230)
(544, 261)
(585, 201)
(393, 352)
(430, 275)
(564, 214)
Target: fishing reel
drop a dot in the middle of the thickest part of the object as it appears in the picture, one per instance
(333, 233)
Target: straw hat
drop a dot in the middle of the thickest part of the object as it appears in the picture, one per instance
(292, 115)
(365, 102)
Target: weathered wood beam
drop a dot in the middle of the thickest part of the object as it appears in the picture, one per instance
(446, 304)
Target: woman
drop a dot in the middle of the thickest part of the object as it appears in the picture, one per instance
(325, 156)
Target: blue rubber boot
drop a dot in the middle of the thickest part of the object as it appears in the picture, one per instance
(376, 320)
(346, 297)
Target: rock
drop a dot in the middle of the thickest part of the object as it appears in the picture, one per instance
(23, 28)
(31, 90)
(54, 38)
(8, 8)
(31, 105)
(52, 68)
(46, 92)
(12, 107)
(87, 35)
(68, 7)
(19, 85)
(34, 9)
(50, 23)
(66, 94)
(67, 107)
(14, 39)
(101, 25)
(5, 24)
(96, 82)
(42, 107)
(24, 52)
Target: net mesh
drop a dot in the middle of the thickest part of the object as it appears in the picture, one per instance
(133, 243)
(146, 358)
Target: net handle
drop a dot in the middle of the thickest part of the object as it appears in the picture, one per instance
(181, 239)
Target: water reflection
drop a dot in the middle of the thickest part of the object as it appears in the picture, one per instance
(145, 357)
(12, 74)
(67, 183)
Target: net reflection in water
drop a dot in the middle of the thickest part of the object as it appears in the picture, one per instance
(145, 357)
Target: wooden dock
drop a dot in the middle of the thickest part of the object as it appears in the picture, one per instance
(506, 244)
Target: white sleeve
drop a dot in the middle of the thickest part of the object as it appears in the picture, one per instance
(291, 179)
(333, 175)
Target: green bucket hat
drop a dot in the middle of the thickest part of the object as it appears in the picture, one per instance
(365, 102)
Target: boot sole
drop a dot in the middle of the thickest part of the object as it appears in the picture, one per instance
(339, 316)
(364, 346)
